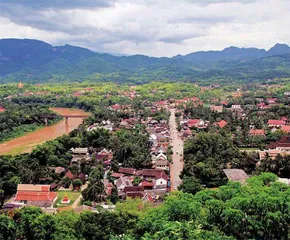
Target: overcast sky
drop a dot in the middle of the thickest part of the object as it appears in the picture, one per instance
(150, 27)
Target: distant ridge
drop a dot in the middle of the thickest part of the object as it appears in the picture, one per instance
(234, 53)
(32, 60)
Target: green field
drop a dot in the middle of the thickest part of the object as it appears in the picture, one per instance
(71, 195)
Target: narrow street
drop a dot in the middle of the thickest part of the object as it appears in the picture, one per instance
(76, 202)
(177, 158)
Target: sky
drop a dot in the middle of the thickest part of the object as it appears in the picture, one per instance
(149, 27)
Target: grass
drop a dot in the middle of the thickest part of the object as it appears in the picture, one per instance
(17, 150)
(70, 194)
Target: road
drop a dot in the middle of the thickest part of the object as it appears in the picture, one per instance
(76, 202)
(177, 158)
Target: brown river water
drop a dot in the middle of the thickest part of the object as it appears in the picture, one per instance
(27, 142)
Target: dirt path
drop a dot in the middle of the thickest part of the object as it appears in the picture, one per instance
(177, 157)
(76, 202)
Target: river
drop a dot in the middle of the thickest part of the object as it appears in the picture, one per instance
(27, 142)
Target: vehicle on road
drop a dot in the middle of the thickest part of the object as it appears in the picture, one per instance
(174, 188)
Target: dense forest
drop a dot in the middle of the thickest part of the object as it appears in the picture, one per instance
(258, 210)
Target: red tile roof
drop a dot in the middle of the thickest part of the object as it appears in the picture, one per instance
(276, 122)
(147, 184)
(134, 189)
(283, 142)
(285, 129)
(193, 121)
(69, 175)
(257, 132)
(35, 196)
(130, 171)
(117, 175)
(151, 172)
(222, 123)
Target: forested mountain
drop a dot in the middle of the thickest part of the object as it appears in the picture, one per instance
(234, 53)
(37, 61)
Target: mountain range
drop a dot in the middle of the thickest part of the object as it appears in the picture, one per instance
(36, 61)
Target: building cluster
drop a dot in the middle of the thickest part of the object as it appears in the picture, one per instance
(148, 184)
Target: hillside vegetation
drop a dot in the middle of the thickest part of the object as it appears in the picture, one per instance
(36, 61)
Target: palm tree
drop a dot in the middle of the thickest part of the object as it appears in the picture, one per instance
(95, 190)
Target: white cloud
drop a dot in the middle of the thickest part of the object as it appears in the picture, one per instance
(156, 28)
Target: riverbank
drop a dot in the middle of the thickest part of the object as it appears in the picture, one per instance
(29, 141)
(22, 130)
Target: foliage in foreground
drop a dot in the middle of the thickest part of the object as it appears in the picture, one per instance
(258, 210)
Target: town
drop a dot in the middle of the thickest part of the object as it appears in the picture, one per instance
(144, 150)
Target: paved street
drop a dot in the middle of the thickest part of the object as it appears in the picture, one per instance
(177, 158)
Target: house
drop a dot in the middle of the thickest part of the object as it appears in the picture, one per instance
(104, 154)
(161, 164)
(107, 125)
(35, 195)
(124, 124)
(108, 187)
(271, 100)
(161, 180)
(123, 182)
(70, 175)
(272, 153)
(236, 175)
(236, 108)
(220, 124)
(117, 175)
(285, 129)
(152, 137)
(218, 109)
(58, 170)
(79, 155)
(148, 198)
(127, 171)
(147, 185)
(257, 132)
(282, 144)
(276, 123)
(79, 151)
(197, 123)
(160, 156)
(133, 189)
(160, 177)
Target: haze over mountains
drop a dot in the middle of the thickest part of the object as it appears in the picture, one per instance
(37, 61)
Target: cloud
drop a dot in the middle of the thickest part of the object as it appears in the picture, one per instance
(206, 2)
(59, 4)
(151, 27)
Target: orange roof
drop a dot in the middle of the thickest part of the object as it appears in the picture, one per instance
(257, 132)
(35, 196)
(276, 122)
(221, 123)
(285, 129)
